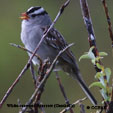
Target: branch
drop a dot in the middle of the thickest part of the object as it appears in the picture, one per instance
(33, 74)
(13, 85)
(108, 20)
(110, 107)
(42, 71)
(42, 83)
(30, 59)
(75, 103)
(82, 108)
(23, 48)
(31, 64)
(63, 92)
(89, 26)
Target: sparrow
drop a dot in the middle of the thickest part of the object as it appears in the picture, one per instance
(34, 23)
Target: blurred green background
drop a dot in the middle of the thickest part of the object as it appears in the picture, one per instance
(71, 25)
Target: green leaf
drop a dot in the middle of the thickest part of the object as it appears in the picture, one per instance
(108, 73)
(93, 61)
(98, 58)
(88, 55)
(85, 56)
(98, 75)
(91, 55)
(99, 66)
(102, 81)
(98, 84)
(103, 54)
(103, 93)
(91, 49)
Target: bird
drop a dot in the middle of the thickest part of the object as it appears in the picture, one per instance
(35, 21)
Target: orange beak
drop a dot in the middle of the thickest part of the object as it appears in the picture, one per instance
(24, 16)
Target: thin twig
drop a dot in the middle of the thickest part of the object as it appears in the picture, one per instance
(108, 20)
(30, 59)
(112, 91)
(42, 83)
(110, 107)
(43, 68)
(23, 48)
(13, 85)
(31, 64)
(33, 74)
(82, 108)
(63, 92)
(19, 103)
(42, 108)
(73, 105)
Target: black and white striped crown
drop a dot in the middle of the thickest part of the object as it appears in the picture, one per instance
(35, 11)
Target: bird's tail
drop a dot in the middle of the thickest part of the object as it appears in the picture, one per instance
(84, 87)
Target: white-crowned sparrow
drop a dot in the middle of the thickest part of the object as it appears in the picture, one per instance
(35, 21)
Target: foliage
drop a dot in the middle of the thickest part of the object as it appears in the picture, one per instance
(103, 76)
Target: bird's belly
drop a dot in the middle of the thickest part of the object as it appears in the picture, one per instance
(44, 51)
(31, 41)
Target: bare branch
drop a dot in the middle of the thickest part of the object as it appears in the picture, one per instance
(13, 85)
(33, 74)
(108, 20)
(23, 48)
(31, 64)
(89, 26)
(110, 107)
(42, 108)
(63, 92)
(82, 108)
(75, 103)
(42, 71)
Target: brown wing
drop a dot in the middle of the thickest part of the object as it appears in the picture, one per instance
(55, 40)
